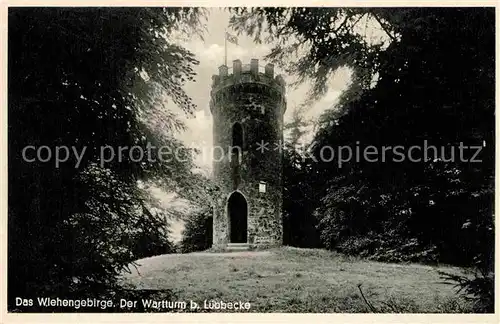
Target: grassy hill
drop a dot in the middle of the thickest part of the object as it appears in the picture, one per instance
(299, 280)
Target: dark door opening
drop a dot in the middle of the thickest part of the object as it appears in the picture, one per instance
(237, 212)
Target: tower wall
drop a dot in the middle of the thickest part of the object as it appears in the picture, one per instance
(256, 100)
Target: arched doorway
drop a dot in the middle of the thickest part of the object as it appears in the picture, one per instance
(238, 221)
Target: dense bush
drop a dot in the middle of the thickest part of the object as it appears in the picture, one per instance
(399, 95)
(388, 247)
(198, 231)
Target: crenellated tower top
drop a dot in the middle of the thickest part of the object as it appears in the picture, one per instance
(249, 75)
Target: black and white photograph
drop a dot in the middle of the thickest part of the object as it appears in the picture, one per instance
(334, 160)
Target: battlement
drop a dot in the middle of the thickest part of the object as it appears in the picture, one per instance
(247, 73)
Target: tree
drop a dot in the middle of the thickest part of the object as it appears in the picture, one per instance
(430, 77)
(90, 79)
(198, 230)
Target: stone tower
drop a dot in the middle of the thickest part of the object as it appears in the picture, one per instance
(247, 106)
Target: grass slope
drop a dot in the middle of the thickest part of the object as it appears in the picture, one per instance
(299, 280)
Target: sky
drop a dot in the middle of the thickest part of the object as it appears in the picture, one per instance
(210, 53)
